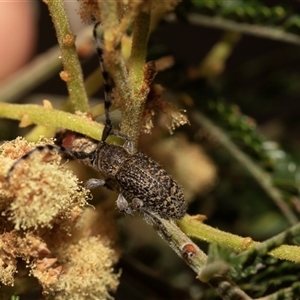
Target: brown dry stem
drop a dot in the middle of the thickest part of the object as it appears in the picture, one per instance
(196, 259)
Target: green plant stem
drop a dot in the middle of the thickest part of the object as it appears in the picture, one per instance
(250, 29)
(196, 229)
(274, 245)
(133, 108)
(262, 177)
(138, 51)
(49, 117)
(114, 61)
(109, 13)
(92, 84)
(130, 90)
(69, 56)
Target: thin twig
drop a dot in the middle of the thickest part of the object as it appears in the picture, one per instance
(196, 259)
(262, 177)
(250, 29)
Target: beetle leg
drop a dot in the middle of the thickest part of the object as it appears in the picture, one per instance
(128, 145)
(107, 82)
(94, 183)
(123, 205)
(137, 203)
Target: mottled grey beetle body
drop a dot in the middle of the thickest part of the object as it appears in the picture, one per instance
(141, 181)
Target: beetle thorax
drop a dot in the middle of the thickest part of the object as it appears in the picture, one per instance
(110, 159)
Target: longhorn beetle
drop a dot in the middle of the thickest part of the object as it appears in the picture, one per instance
(143, 185)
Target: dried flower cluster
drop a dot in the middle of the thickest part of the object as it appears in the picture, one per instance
(44, 224)
(87, 9)
(90, 8)
(155, 104)
(33, 189)
(89, 270)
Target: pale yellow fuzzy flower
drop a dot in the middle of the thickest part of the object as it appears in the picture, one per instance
(40, 191)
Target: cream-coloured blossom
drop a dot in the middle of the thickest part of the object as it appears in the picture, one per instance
(14, 245)
(157, 104)
(71, 259)
(40, 190)
(88, 271)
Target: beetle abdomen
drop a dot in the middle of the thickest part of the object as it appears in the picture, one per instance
(142, 178)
